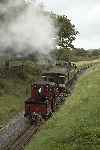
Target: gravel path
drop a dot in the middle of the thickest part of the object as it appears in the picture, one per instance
(12, 131)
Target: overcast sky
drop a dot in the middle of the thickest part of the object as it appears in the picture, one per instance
(85, 14)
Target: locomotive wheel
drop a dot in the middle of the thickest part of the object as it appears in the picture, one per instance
(36, 118)
(50, 115)
(46, 117)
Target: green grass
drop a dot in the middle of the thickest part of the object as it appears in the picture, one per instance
(76, 126)
(12, 96)
(13, 92)
(84, 63)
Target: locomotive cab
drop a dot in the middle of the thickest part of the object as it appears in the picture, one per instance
(58, 78)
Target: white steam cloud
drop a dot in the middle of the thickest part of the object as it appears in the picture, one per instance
(26, 27)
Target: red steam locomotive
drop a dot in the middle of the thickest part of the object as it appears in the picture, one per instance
(48, 92)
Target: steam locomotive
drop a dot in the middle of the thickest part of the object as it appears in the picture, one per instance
(51, 90)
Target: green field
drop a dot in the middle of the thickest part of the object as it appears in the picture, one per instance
(13, 92)
(76, 126)
(12, 95)
(82, 63)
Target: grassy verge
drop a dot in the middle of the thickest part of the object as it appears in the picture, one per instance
(84, 63)
(12, 95)
(13, 92)
(77, 124)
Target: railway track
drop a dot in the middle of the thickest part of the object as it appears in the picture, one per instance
(24, 139)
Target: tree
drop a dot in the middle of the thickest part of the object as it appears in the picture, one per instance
(61, 54)
(67, 32)
(66, 35)
(95, 52)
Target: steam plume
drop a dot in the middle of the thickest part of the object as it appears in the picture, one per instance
(25, 27)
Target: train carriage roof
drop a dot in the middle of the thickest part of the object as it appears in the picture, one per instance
(55, 72)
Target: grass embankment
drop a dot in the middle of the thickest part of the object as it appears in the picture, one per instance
(13, 91)
(77, 124)
(85, 63)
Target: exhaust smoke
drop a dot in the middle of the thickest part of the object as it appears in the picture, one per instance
(25, 26)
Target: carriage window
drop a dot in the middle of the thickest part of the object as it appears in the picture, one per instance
(61, 80)
(44, 78)
(51, 79)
